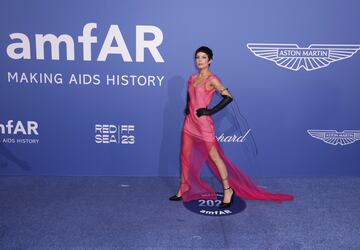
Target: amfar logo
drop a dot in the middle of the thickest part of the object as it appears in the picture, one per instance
(211, 207)
(13, 130)
(334, 138)
(118, 134)
(292, 57)
(21, 48)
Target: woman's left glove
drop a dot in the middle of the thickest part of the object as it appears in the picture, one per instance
(222, 104)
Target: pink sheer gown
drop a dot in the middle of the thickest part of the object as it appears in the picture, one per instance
(198, 138)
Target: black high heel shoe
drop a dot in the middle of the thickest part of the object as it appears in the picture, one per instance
(175, 198)
(226, 205)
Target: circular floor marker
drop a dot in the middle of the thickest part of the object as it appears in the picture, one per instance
(211, 207)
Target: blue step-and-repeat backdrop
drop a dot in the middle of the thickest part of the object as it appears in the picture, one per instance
(99, 87)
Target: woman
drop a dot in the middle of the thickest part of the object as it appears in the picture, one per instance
(199, 143)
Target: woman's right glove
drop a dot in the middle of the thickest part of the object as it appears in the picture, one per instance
(187, 110)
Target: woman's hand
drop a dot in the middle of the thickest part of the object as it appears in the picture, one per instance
(222, 104)
(186, 110)
(202, 111)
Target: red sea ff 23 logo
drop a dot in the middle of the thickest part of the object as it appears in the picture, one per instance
(117, 134)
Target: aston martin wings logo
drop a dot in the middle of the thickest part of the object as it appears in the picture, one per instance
(334, 138)
(292, 57)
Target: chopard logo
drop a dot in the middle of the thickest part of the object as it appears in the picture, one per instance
(292, 57)
(334, 138)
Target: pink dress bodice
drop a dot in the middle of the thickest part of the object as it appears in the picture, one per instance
(199, 127)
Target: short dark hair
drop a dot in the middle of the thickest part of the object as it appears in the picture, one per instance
(205, 50)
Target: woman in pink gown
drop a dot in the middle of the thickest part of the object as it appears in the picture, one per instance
(199, 143)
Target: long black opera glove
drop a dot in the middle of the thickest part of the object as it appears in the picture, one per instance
(222, 104)
(187, 110)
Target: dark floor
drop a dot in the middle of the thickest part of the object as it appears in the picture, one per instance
(134, 213)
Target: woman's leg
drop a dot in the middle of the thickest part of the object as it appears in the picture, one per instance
(216, 158)
(186, 147)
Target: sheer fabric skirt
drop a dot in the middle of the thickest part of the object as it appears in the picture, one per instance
(194, 155)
